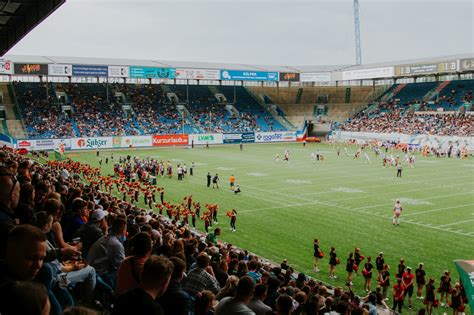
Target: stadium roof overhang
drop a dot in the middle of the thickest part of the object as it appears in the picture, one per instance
(19, 17)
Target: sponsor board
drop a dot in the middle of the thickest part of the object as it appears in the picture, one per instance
(91, 143)
(31, 68)
(152, 73)
(6, 67)
(249, 75)
(43, 144)
(198, 74)
(289, 76)
(119, 72)
(246, 137)
(169, 140)
(448, 66)
(386, 72)
(274, 136)
(315, 77)
(60, 70)
(203, 138)
(464, 65)
(89, 70)
(136, 141)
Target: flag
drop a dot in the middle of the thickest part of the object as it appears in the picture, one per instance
(59, 153)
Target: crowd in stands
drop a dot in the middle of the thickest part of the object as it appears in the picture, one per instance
(95, 111)
(390, 117)
(68, 245)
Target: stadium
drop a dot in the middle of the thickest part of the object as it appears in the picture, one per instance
(150, 186)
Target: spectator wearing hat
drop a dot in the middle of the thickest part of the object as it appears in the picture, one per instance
(201, 277)
(90, 232)
(237, 305)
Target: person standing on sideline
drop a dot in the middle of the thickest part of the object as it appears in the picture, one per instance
(420, 281)
(397, 211)
(318, 254)
(232, 182)
(333, 262)
(398, 295)
(215, 181)
(399, 170)
(191, 169)
(241, 146)
(233, 219)
(408, 281)
(209, 180)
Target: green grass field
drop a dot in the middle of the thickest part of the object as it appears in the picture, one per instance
(343, 201)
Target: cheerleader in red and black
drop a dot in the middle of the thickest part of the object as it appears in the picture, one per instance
(358, 257)
(367, 273)
(333, 262)
(430, 299)
(445, 288)
(318, 254)
(350, 268)
(207, 222)
(214, 213)
(420, 280)
(384, 280)
(190, 202)
(233, 219)
(457, 301)
(398, 295)
(197, 207)
(193, 218)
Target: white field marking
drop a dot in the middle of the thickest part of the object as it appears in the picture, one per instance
(221, 168)
(468, 165)
(200, 164)
(438, 197)
(347, 190)
(430, 226)
(410, 201)
(369, 195)
(257, 174)
(298, 181)
(393, 184)
(459, 222)
(436, 210)
(424, 161)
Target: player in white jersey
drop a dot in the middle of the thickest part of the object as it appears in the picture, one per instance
(313, 157)
(367, 158)
(287, 156)
(345, 151)
(411, 161)
(397, 211)
(277, 157)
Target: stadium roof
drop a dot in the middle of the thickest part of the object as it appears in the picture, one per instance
(19, 17)
(211, 65)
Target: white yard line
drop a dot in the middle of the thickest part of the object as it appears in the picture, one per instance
(444, 225)
(436, 210)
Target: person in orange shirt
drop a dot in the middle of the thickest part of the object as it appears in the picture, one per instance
(232, 181)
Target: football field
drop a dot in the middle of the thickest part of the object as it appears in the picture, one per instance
(345, 202)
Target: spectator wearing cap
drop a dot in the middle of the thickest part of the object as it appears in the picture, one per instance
(130, 270)
(156, 276)
(90, 232)
(107, 253)
(237, 305)
(9, 197)
(256, 304)
(175, 300)
(201, 277)
(73, 220)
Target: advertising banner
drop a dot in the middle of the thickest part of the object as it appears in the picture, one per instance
(169, 140)
(275, 136)
(245, 137)
(464, 65)
(119, 72)
(31, 68)
(135, 141)
(198, 74)
(6, 67)
(89, 70)
(152, 72)
(289, 76)
(448, 66)
(416, 69)
(204, 138)
(361, 74)
(91, 143)
(60, 70)
(315, 77)
(249, 75)
(44, 144)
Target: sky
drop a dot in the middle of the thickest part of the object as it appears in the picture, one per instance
(266, 32)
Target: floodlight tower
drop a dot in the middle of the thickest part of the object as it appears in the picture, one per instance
(357, 32)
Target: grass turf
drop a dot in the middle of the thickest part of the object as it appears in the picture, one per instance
(345, 202)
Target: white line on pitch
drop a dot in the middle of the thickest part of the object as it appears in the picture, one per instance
(460, 222)
(440, 209)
